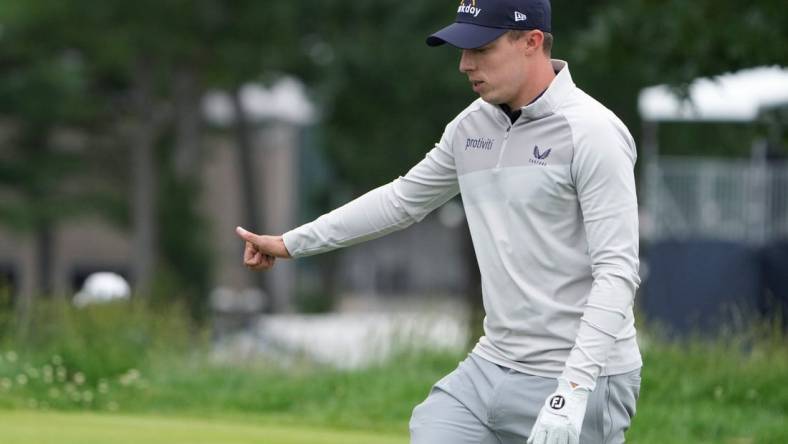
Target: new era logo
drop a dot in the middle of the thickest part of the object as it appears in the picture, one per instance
(519, 17)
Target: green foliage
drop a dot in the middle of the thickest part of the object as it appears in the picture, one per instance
(313, 300)
(94, 358)
(676, 41)
(185, 273)
(99, 341)
(628, 45)
(716, 392)
(133, 359)
(386, 96)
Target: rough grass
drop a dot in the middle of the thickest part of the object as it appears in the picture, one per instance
(731, 391)
(723, 391)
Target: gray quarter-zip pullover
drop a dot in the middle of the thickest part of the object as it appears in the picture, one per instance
(551, 205)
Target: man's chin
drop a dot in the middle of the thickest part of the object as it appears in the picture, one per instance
(491, 100)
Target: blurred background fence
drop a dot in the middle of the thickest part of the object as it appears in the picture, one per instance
(729, 199)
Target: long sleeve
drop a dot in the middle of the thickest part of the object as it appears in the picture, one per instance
(603, 170)
(391, 207)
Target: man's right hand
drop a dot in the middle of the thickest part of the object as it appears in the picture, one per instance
(261, 251)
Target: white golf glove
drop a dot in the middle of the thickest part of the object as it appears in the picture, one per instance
(561, 417)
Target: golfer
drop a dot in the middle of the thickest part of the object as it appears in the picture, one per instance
(546, 177)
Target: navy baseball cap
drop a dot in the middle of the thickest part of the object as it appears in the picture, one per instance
(479, 22)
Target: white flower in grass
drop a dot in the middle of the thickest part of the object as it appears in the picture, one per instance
(103, 387)
(61, 374)
(11, 356)
(21, 379)
(47, 374)
(129, 377)
(6, 384)
(57, 360)
(87, 396)
(54, 393)
(112, 406)
(79, 378)
(32, 372)
(70, 388)
(718, 392)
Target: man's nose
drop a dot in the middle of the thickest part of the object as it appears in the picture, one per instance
(466, 61)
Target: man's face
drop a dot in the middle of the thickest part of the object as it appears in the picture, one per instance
(497, 71)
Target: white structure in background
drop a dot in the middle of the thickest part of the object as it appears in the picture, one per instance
(276, 116)
(347, 340)
(285, 101)
(742, 200)
(102, 287)
(737, 97)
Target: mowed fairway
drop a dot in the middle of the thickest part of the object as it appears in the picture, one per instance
(89, 428)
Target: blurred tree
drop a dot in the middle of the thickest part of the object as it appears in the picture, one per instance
(147, 65)
(47, 108)
(115, 96)
(646, 42)
(675, 41)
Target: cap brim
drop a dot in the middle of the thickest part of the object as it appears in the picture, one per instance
(465, 35)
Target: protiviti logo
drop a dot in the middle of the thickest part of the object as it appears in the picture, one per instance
(469, 9)
(539, 157)
(479, 144)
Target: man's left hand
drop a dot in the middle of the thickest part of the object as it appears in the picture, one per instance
(561, 417)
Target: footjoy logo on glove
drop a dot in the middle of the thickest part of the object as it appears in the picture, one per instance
(539, 157)
(557, 402)
(469, 9)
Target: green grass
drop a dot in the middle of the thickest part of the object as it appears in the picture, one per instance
(24, 427)
(149, 368)
(728, 391)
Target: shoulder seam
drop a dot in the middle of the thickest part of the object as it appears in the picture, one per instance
(461, 117)
(572, 139)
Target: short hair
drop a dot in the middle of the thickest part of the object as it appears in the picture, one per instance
(547, 44)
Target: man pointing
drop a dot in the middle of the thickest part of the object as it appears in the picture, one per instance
(546, 176)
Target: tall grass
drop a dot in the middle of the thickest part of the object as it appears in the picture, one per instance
(732, 389)
(133, 359)
(84, 358)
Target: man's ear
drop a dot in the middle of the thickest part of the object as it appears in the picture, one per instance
(533, 42)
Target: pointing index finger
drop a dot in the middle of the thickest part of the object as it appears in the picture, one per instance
(245, 235)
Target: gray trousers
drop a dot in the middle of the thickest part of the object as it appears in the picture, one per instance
(484, 403)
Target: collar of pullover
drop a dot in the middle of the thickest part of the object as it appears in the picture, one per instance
(553, 96)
